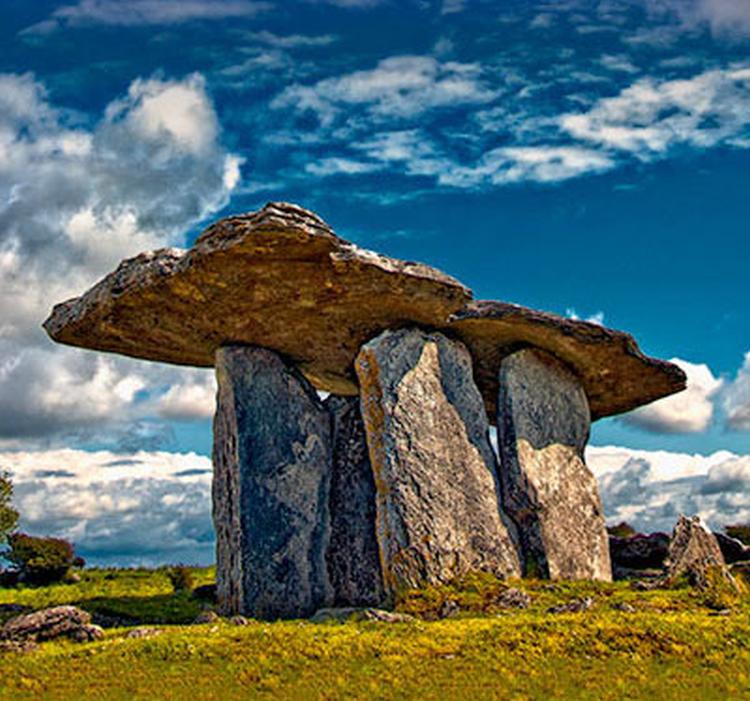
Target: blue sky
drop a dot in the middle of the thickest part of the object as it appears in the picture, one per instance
(587, 158)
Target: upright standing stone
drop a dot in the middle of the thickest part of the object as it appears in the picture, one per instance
(353, 557)
(543, 425)
(438, 510)
(272, 465)
(694, 551)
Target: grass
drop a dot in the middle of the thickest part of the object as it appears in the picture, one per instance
(671, 647)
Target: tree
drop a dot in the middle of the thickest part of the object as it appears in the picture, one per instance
(8, 515)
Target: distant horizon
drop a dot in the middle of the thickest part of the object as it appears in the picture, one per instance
(579, 157)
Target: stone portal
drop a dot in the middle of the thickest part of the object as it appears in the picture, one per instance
(543, 425)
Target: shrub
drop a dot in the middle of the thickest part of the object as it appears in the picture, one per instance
(621, 530)
(181, 578)
(40, 560)
(740, 531)
(8, 515)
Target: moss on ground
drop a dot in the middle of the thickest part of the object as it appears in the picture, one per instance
(671, 646)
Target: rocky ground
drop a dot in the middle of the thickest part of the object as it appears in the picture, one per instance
(479, 636)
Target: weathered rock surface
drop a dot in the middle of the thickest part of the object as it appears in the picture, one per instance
(51, 623)
(278, 278)
(272, 465)
(693, 551)
(614, 373)
(438, 512)
(543, 426)
(281, 279)
(352, 556)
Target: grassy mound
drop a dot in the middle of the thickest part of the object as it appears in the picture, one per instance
(629, 645)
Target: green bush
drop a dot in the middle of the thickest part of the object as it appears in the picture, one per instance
(621, 530)
(40, 560)
(181, 578)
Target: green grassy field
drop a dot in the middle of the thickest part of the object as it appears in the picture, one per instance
(671, 647)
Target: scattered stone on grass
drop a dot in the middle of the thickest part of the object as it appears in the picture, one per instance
(574, 606)
(206, 617)
(143, 633)
(51, 623)
(352, 613)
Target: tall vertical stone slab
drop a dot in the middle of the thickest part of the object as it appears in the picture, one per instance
(438, 510)
(543, 425)
(272, 468)
(352, 556)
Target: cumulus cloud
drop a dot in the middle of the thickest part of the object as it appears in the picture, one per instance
(144, 508)
(146, 12)
(193, 398)
(73, 202)
(689, 411)
(649, 489)
(737, 399)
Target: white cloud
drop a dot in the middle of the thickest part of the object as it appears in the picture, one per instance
(595, 318)
(649, 489)
(737, 399)
(146, 12)
(398, 87)
(126, 509)
(651, 117)
(690, 411)
(73, 203)
(337, 166)
(451, 7)
(193, 398)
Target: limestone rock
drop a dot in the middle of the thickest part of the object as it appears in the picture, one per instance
(616, 376)
(277, 278)
(693, 550)
(353, 613)
(543, 426)
(352, 556)
(281, 279)
(272, 468)
(51, 623)
(438, 512)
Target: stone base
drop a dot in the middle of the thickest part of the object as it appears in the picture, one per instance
(438, 510)
(543, 426)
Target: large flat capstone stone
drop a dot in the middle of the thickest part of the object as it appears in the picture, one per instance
(543, 426)
(353, 557)
(278, 278)
(438, 508)
(272, 470)
(281, 279)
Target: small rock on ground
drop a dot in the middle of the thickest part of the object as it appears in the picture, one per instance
(575, 606)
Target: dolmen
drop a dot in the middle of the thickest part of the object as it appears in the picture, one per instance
(391, 481)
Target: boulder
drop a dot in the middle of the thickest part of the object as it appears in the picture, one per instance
(438, 510)
(732, 549)
(543, 425)
(281, 279)
(272, 470)
(694, 552)
(51, 623)
(352, 556)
